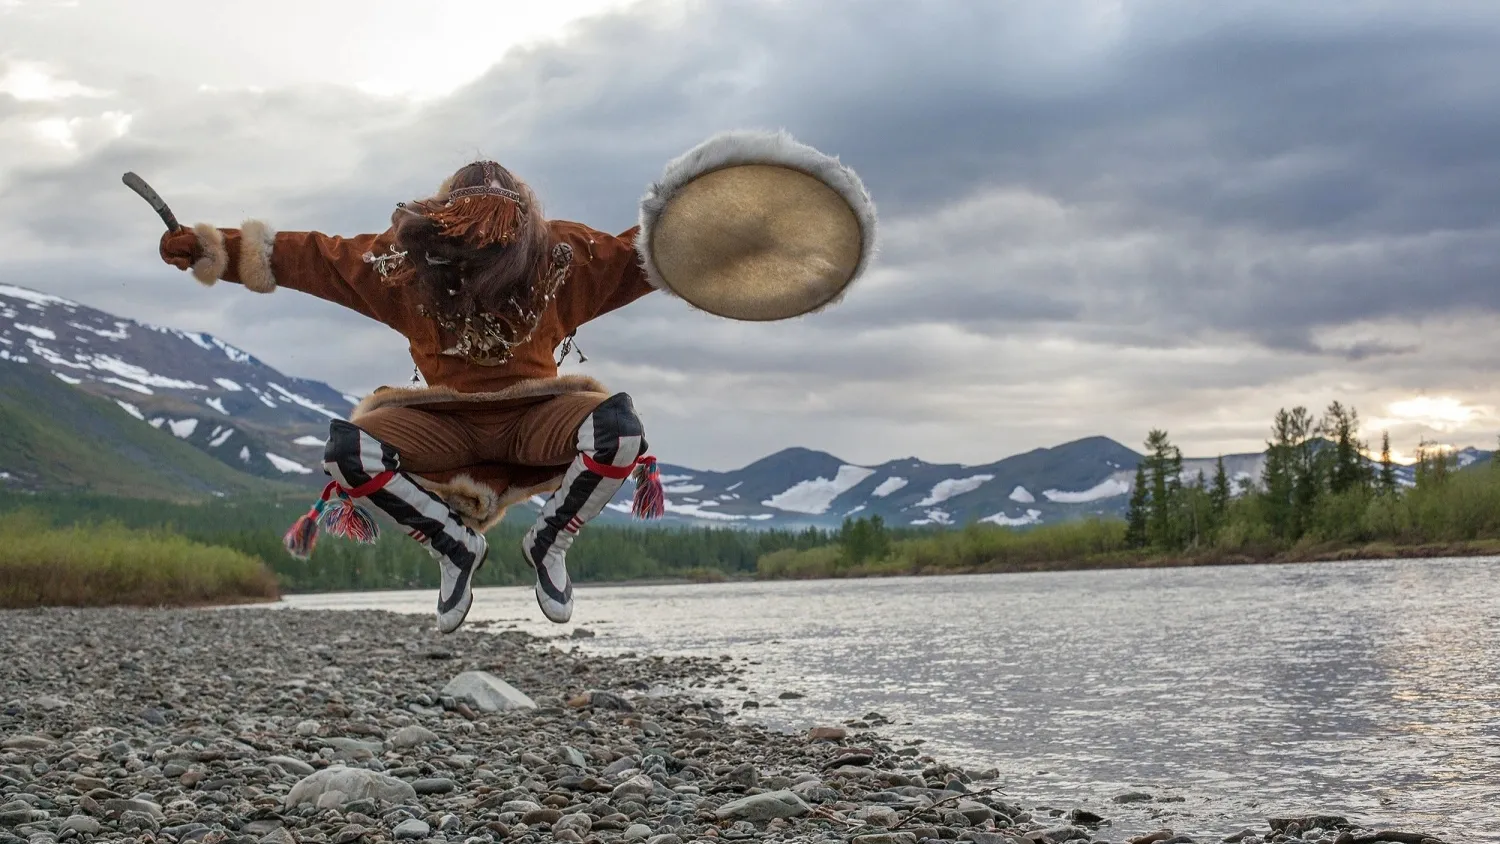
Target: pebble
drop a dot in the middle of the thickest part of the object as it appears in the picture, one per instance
(434, 785)
(288, 764)
(81, 824)
(412, 829)
(245, 726)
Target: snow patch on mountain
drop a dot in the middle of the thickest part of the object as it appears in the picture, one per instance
(229, 385)
(221, 436)
(683, 489)
(815, 496)
(350, 399)
(37, 331)
(216, 404)
(282, 464)
(107, 363)
(1021, 496)
(68, 379)
(200, 340)
(119, 332)
(52, 357)
(131, 409)
(129, 385)
(34, 297)
(1032, 517)
(302, 401)
(1107, 488)
(935, 516)
(245, 453)
(183, 428)
(888, 486)
(952, 487)
(309, 440)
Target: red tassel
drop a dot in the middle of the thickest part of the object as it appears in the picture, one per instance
(650, 500)
(303, 534)
(351, 521)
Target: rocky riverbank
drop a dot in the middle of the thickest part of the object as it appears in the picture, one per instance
(275, 727)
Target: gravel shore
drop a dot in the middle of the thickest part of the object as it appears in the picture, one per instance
(275, 727)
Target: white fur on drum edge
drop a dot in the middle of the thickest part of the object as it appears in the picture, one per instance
(747, 146)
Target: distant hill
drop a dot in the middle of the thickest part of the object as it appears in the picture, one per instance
(55, 437)
(89, 388)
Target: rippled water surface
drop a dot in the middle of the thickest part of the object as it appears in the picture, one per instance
(1367, 689)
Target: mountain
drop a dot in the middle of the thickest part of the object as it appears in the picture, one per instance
(92, 389)
(56, 437)
(198, 388)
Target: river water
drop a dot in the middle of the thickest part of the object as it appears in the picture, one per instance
(1369, 689)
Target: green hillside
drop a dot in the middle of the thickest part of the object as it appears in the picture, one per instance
(55, 437)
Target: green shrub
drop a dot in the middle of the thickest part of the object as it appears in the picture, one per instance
(108, 564)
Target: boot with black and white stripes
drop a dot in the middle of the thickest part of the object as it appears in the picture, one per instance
(370, 470)
(609, 443)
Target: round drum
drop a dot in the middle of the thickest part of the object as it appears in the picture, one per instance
(756, 226)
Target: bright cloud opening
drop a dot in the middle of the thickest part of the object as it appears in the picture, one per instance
(32, 82)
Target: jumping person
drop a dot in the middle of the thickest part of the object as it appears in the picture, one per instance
(484, 288)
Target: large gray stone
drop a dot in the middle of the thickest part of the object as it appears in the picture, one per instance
(639, 787)
(413, 735)
(764, 807)
(486, 692)
(340, 786)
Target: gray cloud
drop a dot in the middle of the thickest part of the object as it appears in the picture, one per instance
(1094, 220)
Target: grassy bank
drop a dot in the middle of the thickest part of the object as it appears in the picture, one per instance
(107, 564)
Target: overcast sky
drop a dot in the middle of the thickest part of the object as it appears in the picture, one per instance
(1097, 217)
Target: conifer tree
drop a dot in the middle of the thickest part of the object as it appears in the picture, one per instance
(1387, 466)
(1135, 515)
(1218, 494)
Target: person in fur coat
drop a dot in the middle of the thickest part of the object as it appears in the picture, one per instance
(485, 289)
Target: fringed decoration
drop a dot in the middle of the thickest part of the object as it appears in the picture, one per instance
(350, 521)
(650, 500)
(479, 220)
(303, 535)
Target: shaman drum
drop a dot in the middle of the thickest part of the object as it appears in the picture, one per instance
(755, 226)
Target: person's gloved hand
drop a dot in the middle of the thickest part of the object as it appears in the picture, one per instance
(181, 248)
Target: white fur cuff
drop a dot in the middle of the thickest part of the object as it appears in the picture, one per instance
(210, 268)
(256, 242)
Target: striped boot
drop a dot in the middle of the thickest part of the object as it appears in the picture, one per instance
(369, 470)
(610, 443)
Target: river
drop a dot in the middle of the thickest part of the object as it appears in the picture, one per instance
(1368, 689)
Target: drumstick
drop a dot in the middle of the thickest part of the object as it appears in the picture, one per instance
(137, 184)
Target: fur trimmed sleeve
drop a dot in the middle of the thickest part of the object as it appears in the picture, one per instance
(328, 267)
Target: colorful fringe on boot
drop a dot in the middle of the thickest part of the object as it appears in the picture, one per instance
(650, 500)
(344, 518)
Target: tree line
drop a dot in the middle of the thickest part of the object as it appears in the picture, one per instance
(1318, 482)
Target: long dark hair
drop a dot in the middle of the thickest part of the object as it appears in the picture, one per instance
(456, 279)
